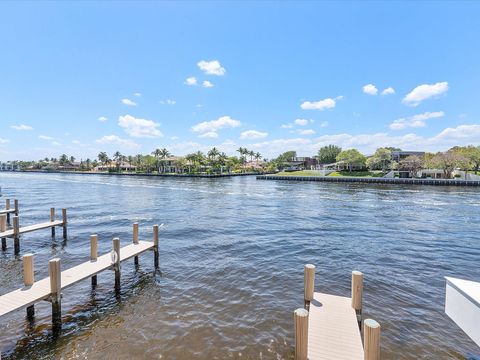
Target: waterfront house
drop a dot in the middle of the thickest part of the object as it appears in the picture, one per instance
(9, 166)
(400, 155)
(301, 163)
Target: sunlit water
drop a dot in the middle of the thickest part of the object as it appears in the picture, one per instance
(231, 254)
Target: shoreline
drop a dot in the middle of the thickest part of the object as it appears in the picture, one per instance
(373, 180)
(131, 174)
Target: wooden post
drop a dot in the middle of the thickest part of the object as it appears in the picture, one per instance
(371, 339)
(116, 262)
(52, 219)
(64, 223)
(3, 227)
(93, 254)
(28, 280)
(7, 207)
(300, 317)
(155, 246)
(16, 234)
(55, 290)
(15, 204)
(309, 281)
(135, 240)
(357, 293)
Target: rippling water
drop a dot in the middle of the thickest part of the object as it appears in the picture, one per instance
(231, 256)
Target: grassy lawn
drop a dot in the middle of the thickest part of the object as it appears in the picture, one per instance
(357, 173)
(299, 173)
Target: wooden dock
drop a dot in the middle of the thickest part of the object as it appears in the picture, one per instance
(50, 288)
(329, 325)
(9, 210)
(16, 230)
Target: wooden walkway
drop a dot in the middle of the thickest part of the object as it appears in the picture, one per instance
(30, 228)
(7, 211)
(40, 290)
(333, 331)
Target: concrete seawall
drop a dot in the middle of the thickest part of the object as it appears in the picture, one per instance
(133, 174)
(438, 182)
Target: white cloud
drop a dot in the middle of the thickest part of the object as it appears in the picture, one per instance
(76, 142)
(4, 141)
(253, 134)
(210, 134)
(214, 125)
(191, 81)
(370, 89)
(424, 92)
(461, 135)
(321, 105)
(139, 127)
(324, 124)
(211, 67)
(45, 137)
(388, 91)
(174, 138)
(22, 127)
(306, 132)
(302, 122)
(55, 143)
(116, 140)
(415, 121)
(129, 102)
(207, 84)
(286, 126)
(137, 94)
(168, 102)
(102, 119)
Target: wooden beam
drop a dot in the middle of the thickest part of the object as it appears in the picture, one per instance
(135, 240)
(309, 281)
(55, 290)
(28, 280)
(93, 254)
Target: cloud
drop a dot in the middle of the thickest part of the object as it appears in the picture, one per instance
(388, 91)
(45, 137)
(415, 121)
(207, 84)
(321, 105)
(424, 92)
(22, 127)
(211, 67)
(306, 131)
(168, 102)
(460, 135)
(116, 140)
(129, 102)
(191, 81)
(302, 122)
(286, 126)
(55, 143)
(253, 134)
(4, 141)
(137, 94)
(76, 142)
(102, 119)
(210, 134)
(139, 127)
(174, 138)
(370, 89)
(324, 124)
(214, 125)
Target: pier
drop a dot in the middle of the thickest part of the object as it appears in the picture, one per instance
(16, 230)
(328, 327)
(50, 288)
(9, 210)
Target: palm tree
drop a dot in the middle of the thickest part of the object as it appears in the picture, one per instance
(258, 156)
(118, 159)
(88, 163)
(164, 153)
(72, 159)
(63, 159)
(103, 158)
(222, 159)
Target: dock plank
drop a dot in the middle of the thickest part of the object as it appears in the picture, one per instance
(30, 228)
(5, 211)
(40, 290)
(333, 331)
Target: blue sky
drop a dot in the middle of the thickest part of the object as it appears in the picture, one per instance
(84, 77)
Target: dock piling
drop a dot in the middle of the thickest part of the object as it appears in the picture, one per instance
(7, 207)
(309, 281)
(135, 240)
(371, 333)
(15, 206)
(28, 280)
(64, 220)
(52, 219)
(3, 227)
(55, 290)
(155, 246)
(93, 254)
(357, 294)
(301, 333)
(16, 235)
(116, 262)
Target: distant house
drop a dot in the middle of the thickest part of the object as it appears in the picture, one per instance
(400, 155)
(123, 166)
(301, 163)
(9, 166)
(341, 166)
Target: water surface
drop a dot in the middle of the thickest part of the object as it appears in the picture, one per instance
(231, 255)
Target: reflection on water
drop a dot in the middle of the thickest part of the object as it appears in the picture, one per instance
(231, 255)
